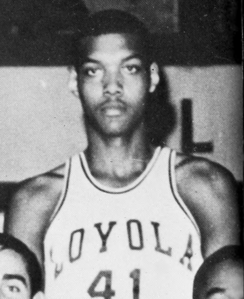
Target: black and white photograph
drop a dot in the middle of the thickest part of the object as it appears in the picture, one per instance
(121, 149)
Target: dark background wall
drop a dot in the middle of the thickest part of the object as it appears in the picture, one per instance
(189, 32)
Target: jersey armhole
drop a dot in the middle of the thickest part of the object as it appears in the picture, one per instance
(64, 191)
(178, 198)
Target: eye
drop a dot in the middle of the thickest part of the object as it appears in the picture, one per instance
(13, 289)
(132, 68)
(218, 296)
(91, 71)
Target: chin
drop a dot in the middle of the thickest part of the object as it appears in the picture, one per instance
(114, 133)
(115, 129)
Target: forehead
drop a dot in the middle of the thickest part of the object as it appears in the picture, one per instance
(227, 275)
(112, 44)
(226, 269)
(12, 263)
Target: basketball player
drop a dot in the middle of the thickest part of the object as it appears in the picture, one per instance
(221, 275)
(20, 272)
(123, 219)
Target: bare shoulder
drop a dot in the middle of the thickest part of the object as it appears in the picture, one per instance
(31, 205)
(209, 190)
(49, 183)
(46, 186)
(194, 172)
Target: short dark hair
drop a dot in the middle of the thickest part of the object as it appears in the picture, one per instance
(112, 21)
(32, 265)
(232, 253)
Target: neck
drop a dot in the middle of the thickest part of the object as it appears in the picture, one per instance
(118, 158)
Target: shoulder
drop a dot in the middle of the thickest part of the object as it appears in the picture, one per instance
(209, 191)
(47, 185)
(196, 172)
(31, 205)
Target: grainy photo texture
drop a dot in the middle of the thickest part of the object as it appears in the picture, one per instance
(121, 149)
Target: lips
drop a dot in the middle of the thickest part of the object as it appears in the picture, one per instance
(113, 109)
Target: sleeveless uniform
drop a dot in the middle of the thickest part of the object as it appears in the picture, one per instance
(134, 242)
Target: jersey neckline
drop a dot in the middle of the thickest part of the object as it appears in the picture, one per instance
(126, 188)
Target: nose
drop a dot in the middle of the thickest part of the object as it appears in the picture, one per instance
(113, 82)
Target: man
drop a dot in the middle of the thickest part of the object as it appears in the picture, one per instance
(124, 218)
(221, 275)
(20, 273)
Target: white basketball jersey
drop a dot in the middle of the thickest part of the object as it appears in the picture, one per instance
(134, 242)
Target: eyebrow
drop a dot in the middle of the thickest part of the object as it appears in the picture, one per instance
(15, 276)
(132, 56)
(215, 290)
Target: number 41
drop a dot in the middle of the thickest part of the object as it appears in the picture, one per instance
(108, 291)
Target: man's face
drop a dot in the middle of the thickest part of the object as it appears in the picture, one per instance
(224, 282)
(14, 279)
(114, 81)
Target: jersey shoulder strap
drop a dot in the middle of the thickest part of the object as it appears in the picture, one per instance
(174, 189)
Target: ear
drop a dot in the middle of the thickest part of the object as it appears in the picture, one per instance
(154, 76)
(73, 84)
(39, 295)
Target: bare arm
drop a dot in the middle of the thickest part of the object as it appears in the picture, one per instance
(209, 191)
(31, 207)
